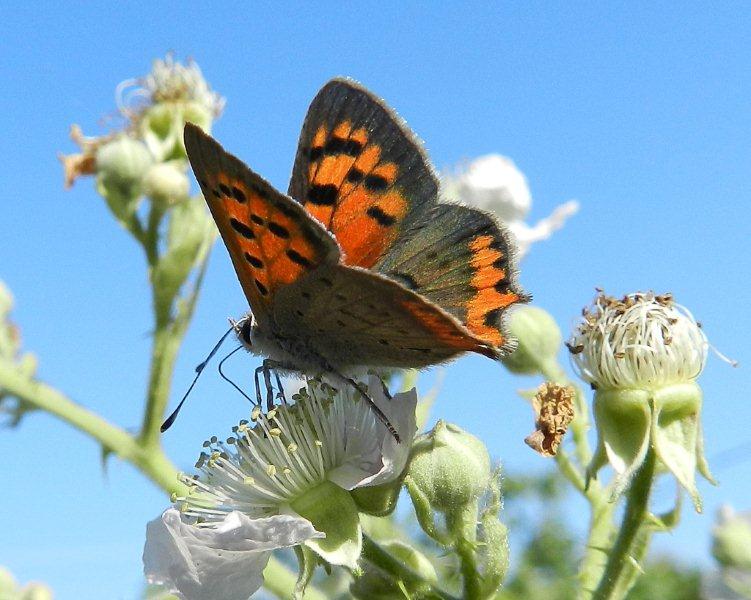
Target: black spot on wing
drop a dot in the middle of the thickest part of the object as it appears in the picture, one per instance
(225, 189)
(492, 316)
(239, 195)
(337, 145)
(355, 175)
(405, 279)
(382, 218)
(261, 288)
(254, 261)
(278, 230)
(323, 195)
(298, 258)
(242, 228)
(376, 183)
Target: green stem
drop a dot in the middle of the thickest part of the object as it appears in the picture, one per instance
(280, 581)
(168, 338)
(599, 541)
(377, 556)
(621, 563)
(152, 462)
(464, 523)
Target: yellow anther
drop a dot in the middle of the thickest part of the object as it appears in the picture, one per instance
(271, 470)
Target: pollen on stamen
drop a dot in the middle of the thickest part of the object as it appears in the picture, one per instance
(275, 431)
(271, 470)
(292, 447)
(255, 413)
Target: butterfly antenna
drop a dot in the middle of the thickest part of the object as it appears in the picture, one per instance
(199, 369)
(228, 380)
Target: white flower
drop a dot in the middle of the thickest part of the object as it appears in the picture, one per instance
(169, 81)
(642, 340)
(281, 482)
(494, 183)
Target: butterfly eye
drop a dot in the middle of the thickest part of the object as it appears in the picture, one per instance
(244, 332)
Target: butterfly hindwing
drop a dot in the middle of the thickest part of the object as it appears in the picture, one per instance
(356, 316)
(461, 259)
(360, 171)
(271, 239)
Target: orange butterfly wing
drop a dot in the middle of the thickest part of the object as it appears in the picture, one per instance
(271, 240)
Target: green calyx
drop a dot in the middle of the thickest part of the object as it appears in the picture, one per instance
(332, 511)
(630, 421)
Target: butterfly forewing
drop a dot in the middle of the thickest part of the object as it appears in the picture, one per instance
(271, 239)
(360, 171)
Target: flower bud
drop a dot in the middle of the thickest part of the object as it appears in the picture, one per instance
(538, 340)
(121, 164)
(731, 539)
(642, 355)
(166, 184)
(376, 583)
(450, 467)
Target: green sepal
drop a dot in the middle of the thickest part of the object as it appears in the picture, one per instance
(623, 419)
(676, 433)
(306, 564)
(377, 500)
(378, 583)
(332, 511)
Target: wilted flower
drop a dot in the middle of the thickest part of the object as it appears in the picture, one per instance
(554, 410)
(284, 481)
(642, 354)
(494, 183)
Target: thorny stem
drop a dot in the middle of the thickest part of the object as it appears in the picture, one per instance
(621, 563)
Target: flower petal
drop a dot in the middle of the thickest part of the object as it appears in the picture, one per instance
(225, 561)
(379, 458)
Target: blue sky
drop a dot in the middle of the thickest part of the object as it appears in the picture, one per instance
(640, 112)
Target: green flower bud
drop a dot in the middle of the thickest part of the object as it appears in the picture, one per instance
(642, 355)
(166, 184)
(731, 539)
(450, 467)
(121, 164)
(539, 340)
(375, 583)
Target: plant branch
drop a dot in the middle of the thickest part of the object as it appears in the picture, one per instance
(621, 559)
(152, 462)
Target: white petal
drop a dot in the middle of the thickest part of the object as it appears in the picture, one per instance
(377, 458)
(224, 562)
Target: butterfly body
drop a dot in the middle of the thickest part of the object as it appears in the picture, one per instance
(360, 265)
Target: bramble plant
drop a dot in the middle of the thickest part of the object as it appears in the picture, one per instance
(319, 473)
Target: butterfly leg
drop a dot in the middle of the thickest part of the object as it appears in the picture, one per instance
(368, 398)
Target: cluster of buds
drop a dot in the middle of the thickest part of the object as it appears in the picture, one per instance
(147, 157)
(642, 355)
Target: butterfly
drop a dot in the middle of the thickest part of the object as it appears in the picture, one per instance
(360, 264)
